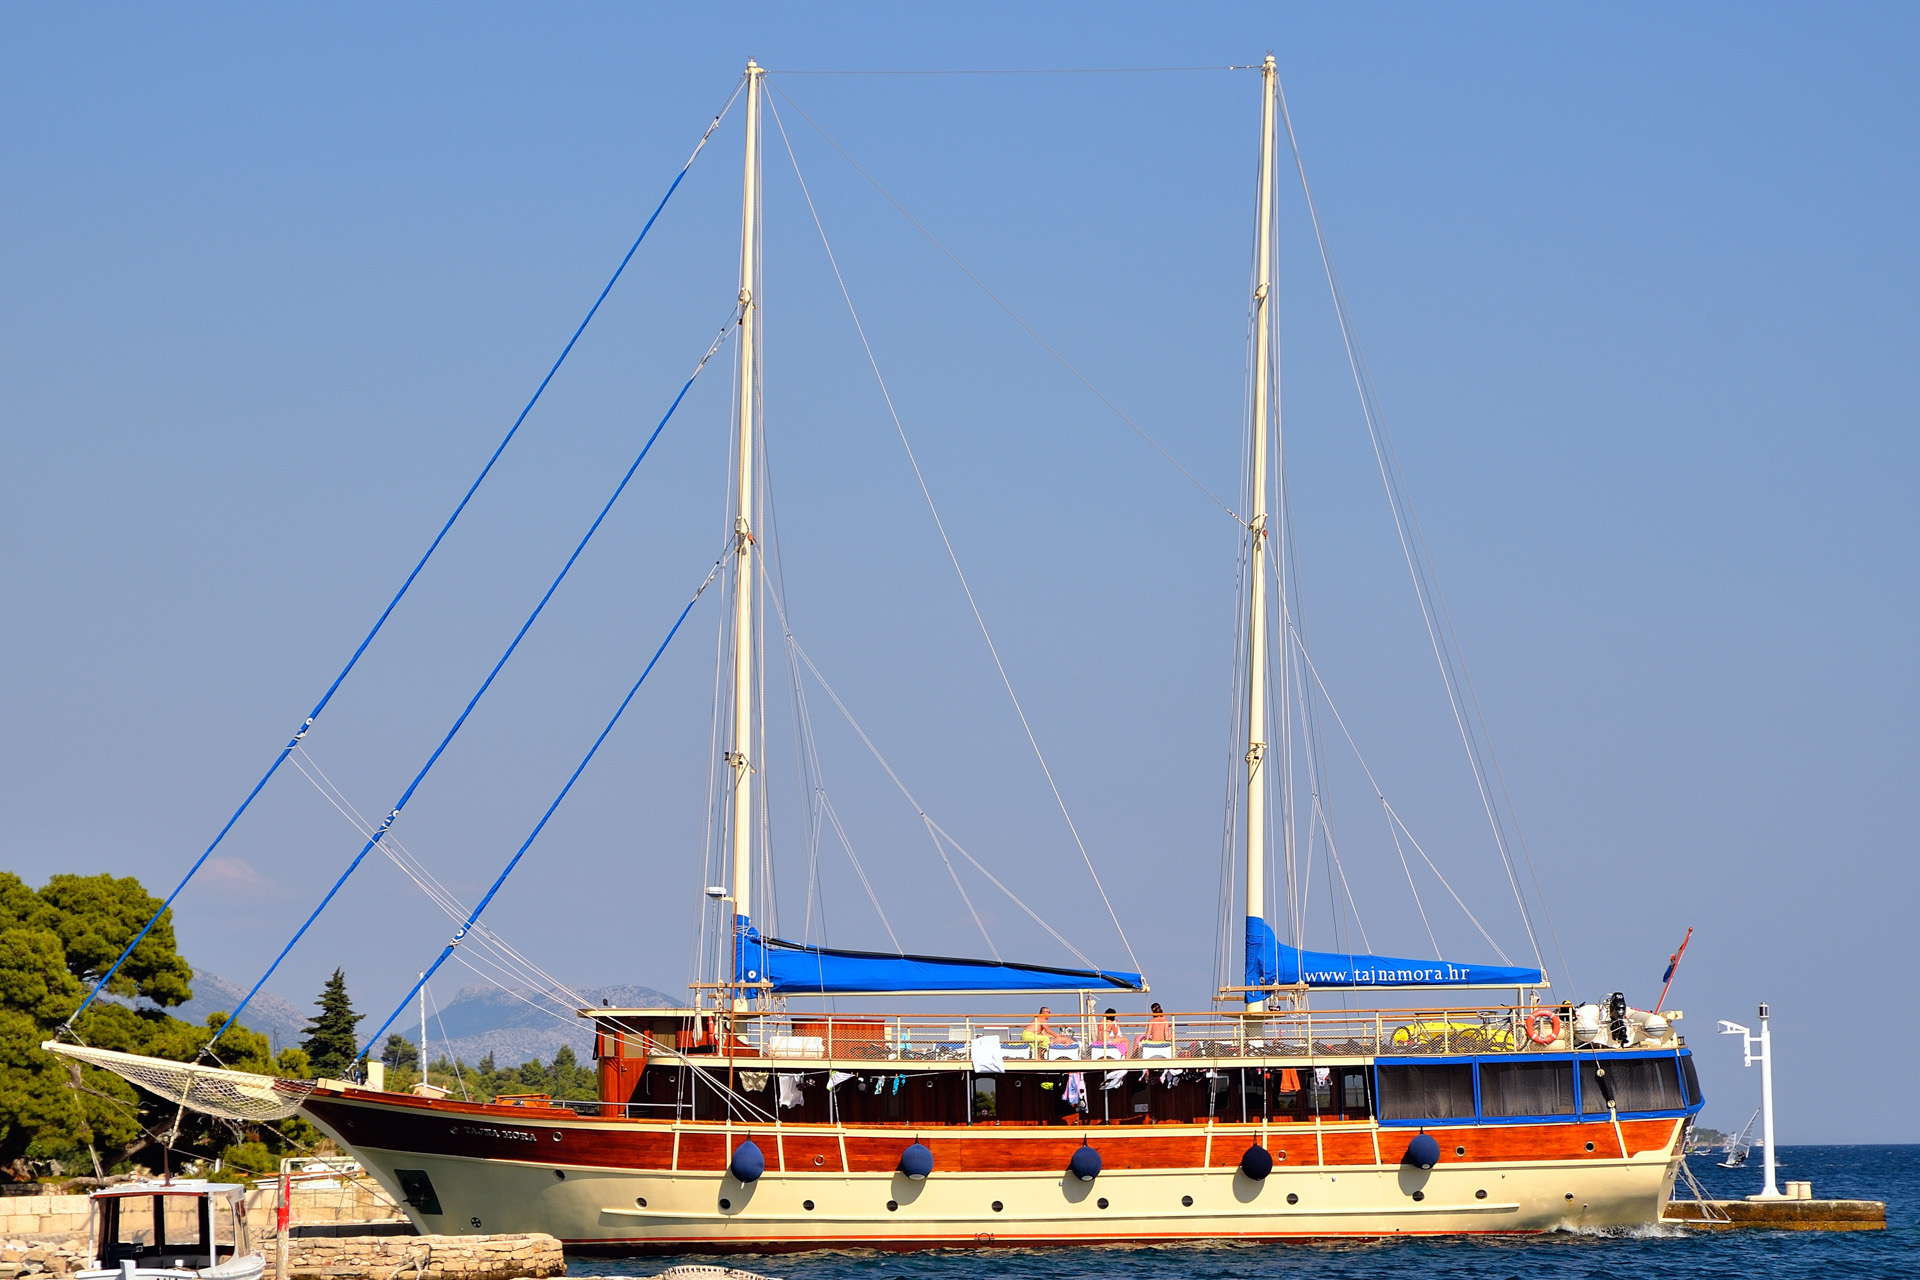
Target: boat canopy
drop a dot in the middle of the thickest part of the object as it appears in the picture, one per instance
(795, 969)
(1270, 964)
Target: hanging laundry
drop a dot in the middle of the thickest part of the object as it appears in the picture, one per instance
(837, 1078)
(896, 1084)
(1289, 1081)
(790, 1095)
(1322, 1076)
(986, 1054)
(1077, 1090)
(1114, 1080)
(753, 1081)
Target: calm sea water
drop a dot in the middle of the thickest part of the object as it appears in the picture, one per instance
(1891, 1174)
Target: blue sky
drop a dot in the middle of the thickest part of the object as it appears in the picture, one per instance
(1637, 290)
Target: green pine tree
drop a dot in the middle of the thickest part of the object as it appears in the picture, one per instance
(331, 1043)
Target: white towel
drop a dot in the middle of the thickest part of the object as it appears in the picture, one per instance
(790, 1095)
(837, 1078)
(1114, 1080)
(986, 1055)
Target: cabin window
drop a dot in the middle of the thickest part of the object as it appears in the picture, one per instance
(986, 1099)
(1648, 1084)
(1353, 1092)
(1689, 1081)
(1427, 1091)
(1526, 1089)
(1593, 1099)
(1639, 1084)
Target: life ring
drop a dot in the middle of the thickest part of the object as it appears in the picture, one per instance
(1543, 1028)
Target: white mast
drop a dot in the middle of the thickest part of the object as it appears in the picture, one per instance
(1257, 521)
(423, 1028)
(739, 757)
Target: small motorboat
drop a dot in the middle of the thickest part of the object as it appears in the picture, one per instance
(177, 1228)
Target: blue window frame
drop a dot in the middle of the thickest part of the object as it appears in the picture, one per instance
(1646, 1085)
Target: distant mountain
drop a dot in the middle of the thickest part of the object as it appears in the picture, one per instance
(483, 1019)
(479, 1020)
(267, 1013)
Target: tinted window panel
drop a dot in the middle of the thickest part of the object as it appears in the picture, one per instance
(1429, 1091)
(1690, 1080)
(1593, 1102)
(1648, 1084)
(1526, 1088)
(1639, 1084)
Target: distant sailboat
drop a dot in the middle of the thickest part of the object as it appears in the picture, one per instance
(1740, 1145)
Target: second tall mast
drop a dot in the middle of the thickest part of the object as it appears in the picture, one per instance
(739, 756)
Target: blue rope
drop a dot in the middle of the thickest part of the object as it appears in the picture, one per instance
(407, 795)
(327, 697)
(460, 934)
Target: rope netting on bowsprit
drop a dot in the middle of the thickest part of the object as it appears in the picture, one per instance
(233, 1095)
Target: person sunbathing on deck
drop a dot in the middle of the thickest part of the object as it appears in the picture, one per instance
(1111, 1036)
(1159, 1030)
(1042, 1036)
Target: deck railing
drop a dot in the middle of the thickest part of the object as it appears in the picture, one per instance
(1277, 1035)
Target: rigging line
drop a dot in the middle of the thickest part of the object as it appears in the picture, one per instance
(393, 814)
(1400, 524)
(1023, 71)
(1016, 899)
(952, 556)
(813, 775)
(1407, 868)
(1317, 777)
(794, 642)
(509, 961)
(997, 301)
(1380, 795)
(381, 621)
(833, 817)
(1498, 950)
(473, 918)
(458, 1075)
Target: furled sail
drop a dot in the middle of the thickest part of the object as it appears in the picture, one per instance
(795, 969)
(1271, 964)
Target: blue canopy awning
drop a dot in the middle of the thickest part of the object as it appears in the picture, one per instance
(1271, 964)
(794, 969)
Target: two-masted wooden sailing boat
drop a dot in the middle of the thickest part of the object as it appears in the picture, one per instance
(738, 1123)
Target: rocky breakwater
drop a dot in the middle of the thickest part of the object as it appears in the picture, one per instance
(514, 1257)
(28, 1257)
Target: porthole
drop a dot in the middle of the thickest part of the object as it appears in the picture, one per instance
(1419, 1195)
(1589, 1146)
(997, 1206)
(560, 1174)
(1569, 1195)
(819, 1161)
(1293, 1198)
(556, 1135)
(1187, 1201)
(1459, 1151)
(893, 1206)
(1102, 1202)
(807, 1205)
(640, 1201)
(726, 1204)
(1480, 1194)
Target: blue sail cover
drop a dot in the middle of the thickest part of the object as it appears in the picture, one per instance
(795, 969)
(1271, 964)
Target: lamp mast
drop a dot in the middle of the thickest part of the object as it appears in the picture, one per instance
(1257, 523)
(739, 757)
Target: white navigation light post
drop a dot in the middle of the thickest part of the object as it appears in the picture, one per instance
(1771, 1190)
